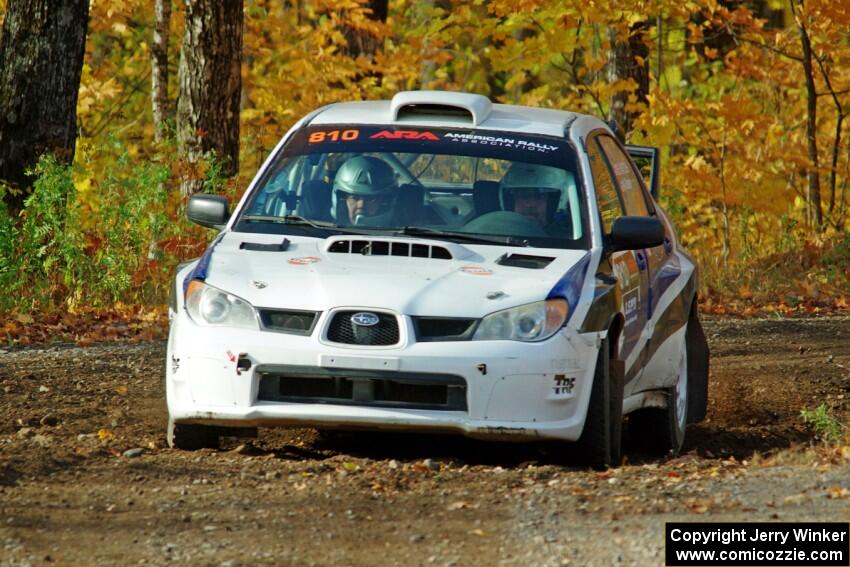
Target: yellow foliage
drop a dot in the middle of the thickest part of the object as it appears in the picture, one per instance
(730, 118)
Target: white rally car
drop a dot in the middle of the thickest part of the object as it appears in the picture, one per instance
(441, 263)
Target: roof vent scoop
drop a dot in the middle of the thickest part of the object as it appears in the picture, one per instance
(442, 105)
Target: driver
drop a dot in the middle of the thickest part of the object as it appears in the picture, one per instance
(534, 191)
(364, 192)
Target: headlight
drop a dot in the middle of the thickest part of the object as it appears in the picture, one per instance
(211, 306)
(533, 322)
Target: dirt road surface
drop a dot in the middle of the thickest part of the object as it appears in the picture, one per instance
(70, 496)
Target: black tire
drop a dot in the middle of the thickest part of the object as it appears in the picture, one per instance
(698, 355)
(600, 444)
(662, 431)
(191, 437)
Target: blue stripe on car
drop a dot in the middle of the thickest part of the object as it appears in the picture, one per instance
(665, 277)
(569, 286)
(202, 268)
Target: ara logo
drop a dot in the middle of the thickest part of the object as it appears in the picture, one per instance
(404, 135)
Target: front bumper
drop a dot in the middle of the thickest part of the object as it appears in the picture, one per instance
(511, 390)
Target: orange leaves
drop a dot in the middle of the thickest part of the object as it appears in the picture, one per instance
(119, 323)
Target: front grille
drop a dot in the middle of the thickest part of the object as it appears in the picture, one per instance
(289, 321)
(430, 329)
(296, 384)
(343, 330)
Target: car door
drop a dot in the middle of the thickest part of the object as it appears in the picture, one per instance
(627, 266)
(660, 263)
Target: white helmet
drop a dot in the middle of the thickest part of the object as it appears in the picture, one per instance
(525, 178)
(367, 177)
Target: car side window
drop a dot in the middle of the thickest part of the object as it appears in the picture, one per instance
(607, 197)
(633, 199)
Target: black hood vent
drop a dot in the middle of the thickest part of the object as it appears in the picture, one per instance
(525, 261)
(389, 248)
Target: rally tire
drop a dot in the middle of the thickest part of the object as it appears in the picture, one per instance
(662, 431)
(698, 356)
(600, 444)
(191, 437)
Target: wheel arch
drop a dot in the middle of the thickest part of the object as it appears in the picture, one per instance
(615, 330)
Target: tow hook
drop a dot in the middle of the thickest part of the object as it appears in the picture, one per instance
(243, 364)
(482, 368)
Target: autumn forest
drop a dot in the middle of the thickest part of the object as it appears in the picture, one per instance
(108, 124)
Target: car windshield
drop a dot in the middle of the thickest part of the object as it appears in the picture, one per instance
(472, 186)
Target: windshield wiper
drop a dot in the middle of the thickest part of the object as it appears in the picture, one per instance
(288, 219)
(465, 236)
(295, 220)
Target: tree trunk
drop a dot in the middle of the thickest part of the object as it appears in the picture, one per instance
(815, 208)
(159, 68)
(361, 42)
(41, 58)
(628, 60)
(428, 69)
(210, 84)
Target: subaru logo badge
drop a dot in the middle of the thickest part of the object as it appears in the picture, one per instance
(364, 319)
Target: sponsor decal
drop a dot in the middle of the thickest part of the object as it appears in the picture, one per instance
(631, 302)
(500, 141)
(561, 364)
(333, 136)
(304, 260)
(563, 385)
(623, 268)
(404, 135)
(476, 271)
(258, 284)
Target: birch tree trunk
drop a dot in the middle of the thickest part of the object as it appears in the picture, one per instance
(159, 68)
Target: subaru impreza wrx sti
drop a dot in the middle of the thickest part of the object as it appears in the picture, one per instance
(441, 263)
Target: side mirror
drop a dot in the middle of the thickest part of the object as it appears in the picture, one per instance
(210, 211)
(635, 233)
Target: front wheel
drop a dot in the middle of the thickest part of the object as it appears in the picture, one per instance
(662, 431)
(600, 444)
(191, 437)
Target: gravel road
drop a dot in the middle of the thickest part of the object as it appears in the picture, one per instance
(85, 476)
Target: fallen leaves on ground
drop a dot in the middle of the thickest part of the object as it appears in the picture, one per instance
(85, 328)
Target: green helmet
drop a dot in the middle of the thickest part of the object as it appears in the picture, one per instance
(365, 175)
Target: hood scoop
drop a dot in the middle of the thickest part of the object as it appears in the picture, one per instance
(259, 247)
(525, 261)
(389, 248)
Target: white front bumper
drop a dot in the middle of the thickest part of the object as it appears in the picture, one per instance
(530, 390)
